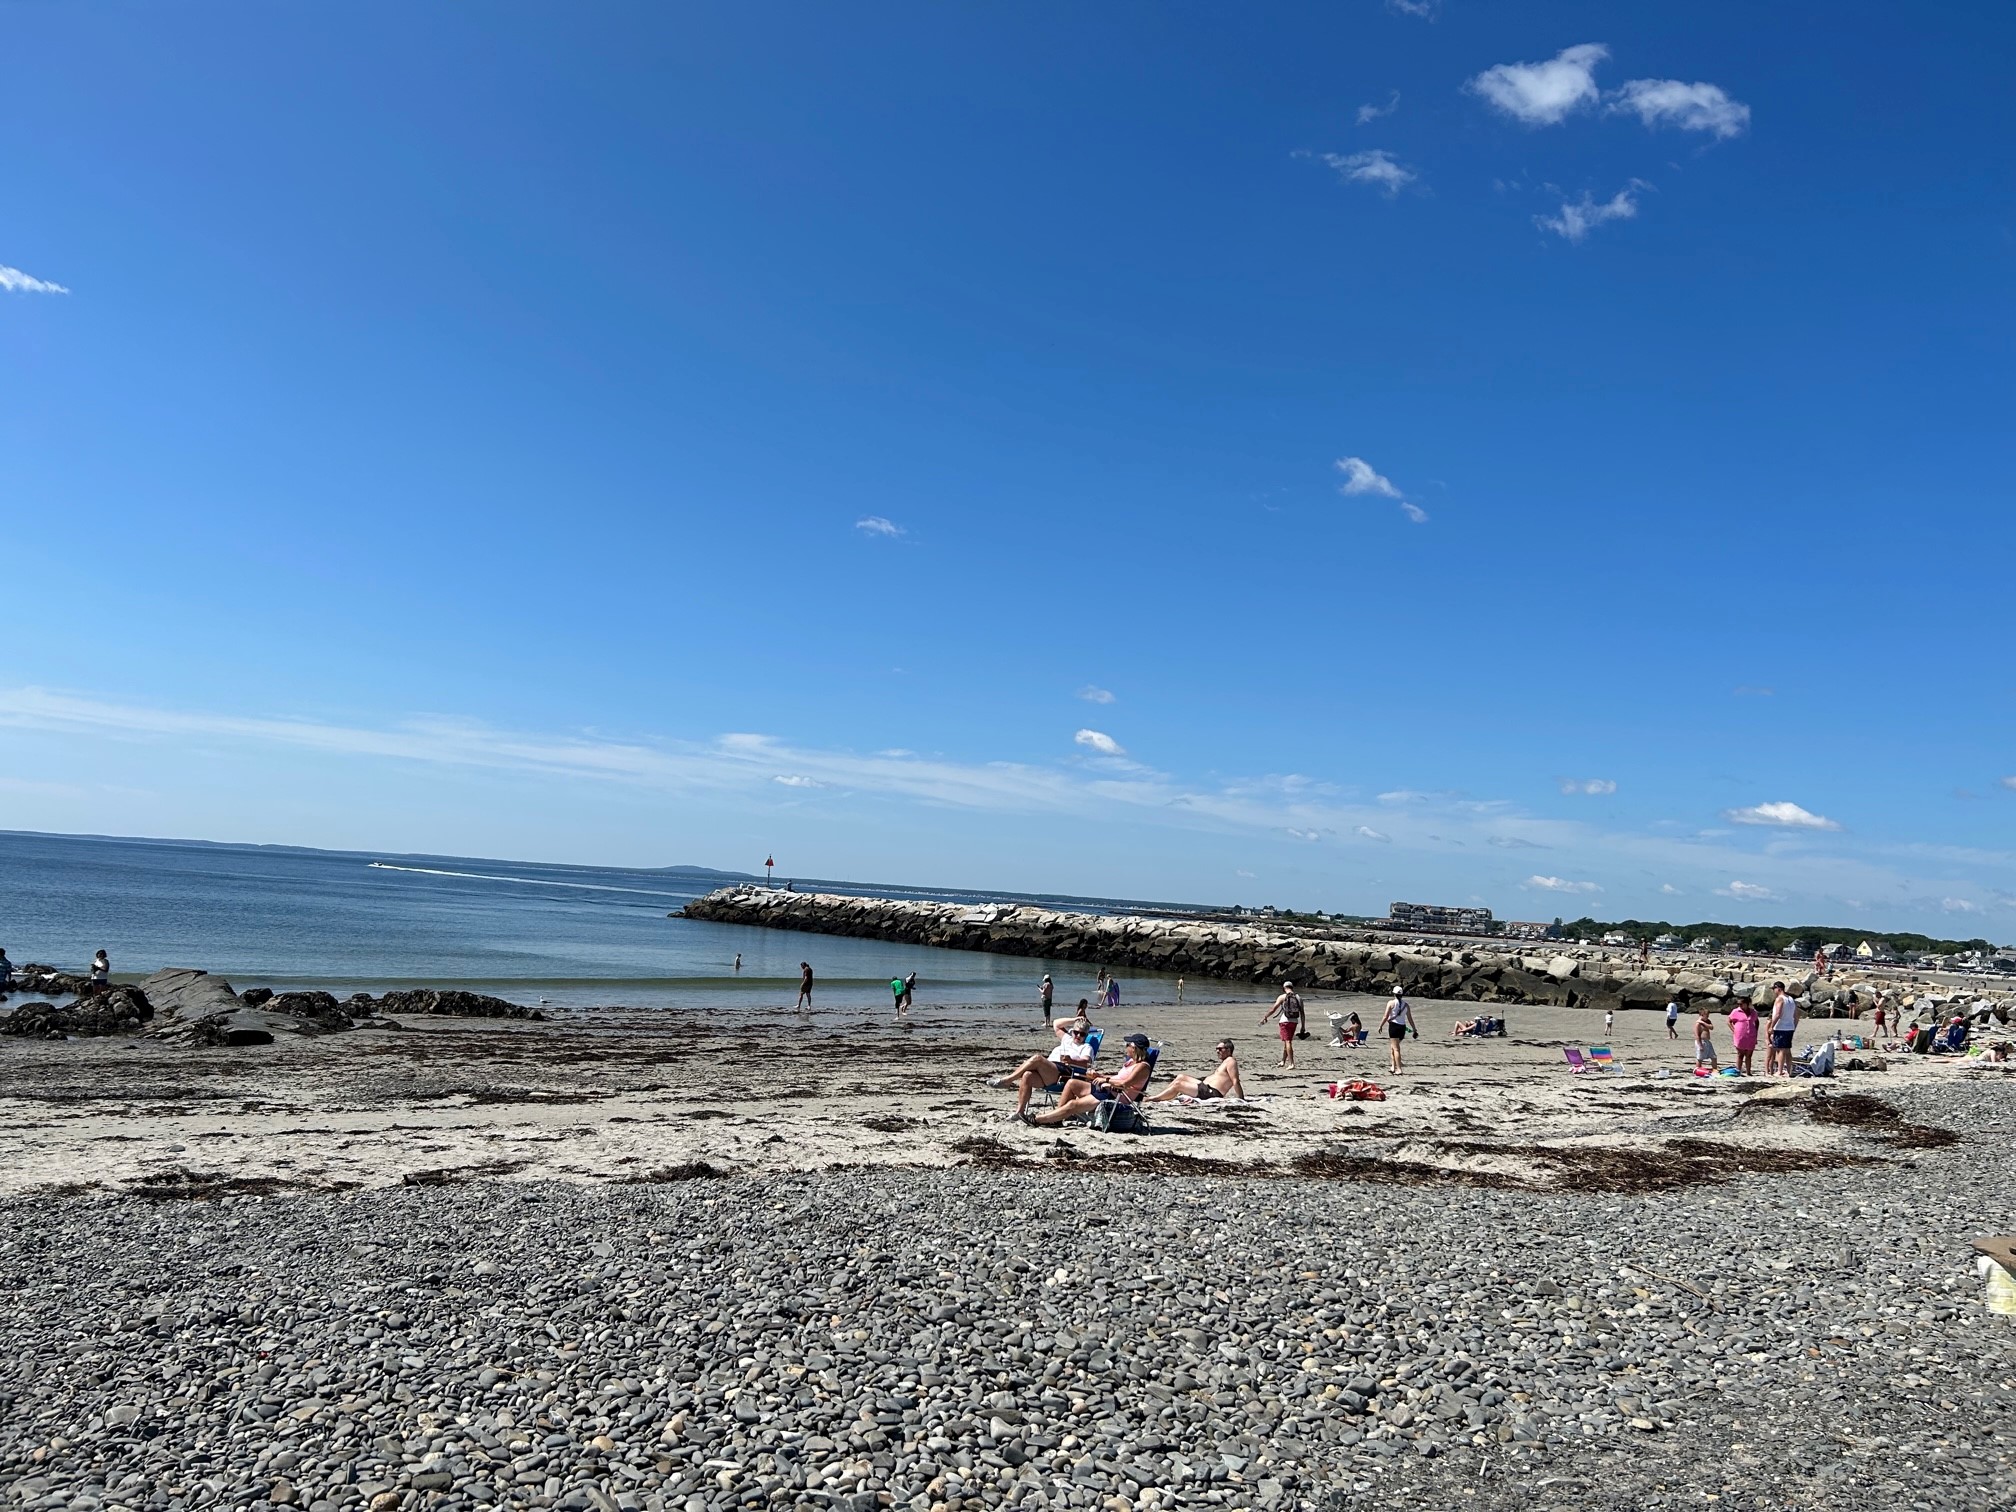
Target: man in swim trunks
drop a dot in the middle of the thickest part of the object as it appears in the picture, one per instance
(804, 984)
(1289, 1007)
(1222, 1082)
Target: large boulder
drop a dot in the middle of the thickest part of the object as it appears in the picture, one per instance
(202, 1009)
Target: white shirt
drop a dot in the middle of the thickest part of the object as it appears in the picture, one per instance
(1401, 1012)
(1672, 1012)
(1784, 1015)
(1078, 1052)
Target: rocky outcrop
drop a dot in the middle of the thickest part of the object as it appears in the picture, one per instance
(118, 1011)
(449, 1002)
(202, 1009)
(1459, 970)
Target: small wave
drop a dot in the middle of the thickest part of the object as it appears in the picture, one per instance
(435, 871)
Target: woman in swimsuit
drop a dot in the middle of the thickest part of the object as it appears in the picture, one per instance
(1081, 1097)
(1222, 1082)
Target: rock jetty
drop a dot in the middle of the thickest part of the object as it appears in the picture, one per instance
(1459, 970)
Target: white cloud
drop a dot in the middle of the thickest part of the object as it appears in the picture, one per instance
(1096, 695)
(1302, 834)
(1366, 832)
(793, 779)
(1377, 167)
(14, 281)
(875, 525)
(1425, 10)
(1370, 113)
(1959, 906)
(1593, 787)
(1360, 478)
(2009, 782)
(1577, 220)
(1096, 740)
(1560, 885)
(1246, 874)
(1669, 889)
(1691, 107)
(1514, 842)
(1779, 816)
(1544, 94)
(1748, 892)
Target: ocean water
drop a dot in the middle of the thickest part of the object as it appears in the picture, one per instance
(572, 936)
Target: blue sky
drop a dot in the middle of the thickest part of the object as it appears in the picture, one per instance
(1556, 455)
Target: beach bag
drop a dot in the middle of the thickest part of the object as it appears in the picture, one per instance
(1115, 1117)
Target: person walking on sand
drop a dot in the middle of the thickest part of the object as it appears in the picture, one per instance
(804, 984)
(1672, 1020)
(1398, 1022)
(1880, 1017)
(1179, 992)
(909, 992)
(1609, 1021)
(1099, 987)
(1048, 993)
(738, 961)
(896, 991)
(1784, 1021)
(1113, 992)
(1288, 1008)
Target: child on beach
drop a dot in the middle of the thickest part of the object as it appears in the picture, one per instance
(1704, 1042)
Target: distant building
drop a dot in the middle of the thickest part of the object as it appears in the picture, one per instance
(1706, 943)
(1618, 937)
(1437, 917)
(1875, 950)
(1667, 942)
(1514, 929)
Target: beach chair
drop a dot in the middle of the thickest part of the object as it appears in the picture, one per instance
(1047, 1096)
(1127, 1116)
(1576, 1063)
(1600, 1054)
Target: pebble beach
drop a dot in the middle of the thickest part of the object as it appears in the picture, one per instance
(666, 1264)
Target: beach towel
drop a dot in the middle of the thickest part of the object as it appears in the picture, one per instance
(1356, 1091)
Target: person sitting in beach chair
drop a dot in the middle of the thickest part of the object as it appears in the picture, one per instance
(1481, 1027)
(1346, 1030)
(1073, 1056)
(1084, 1096)
(1221, 1082)
(1953, 1039)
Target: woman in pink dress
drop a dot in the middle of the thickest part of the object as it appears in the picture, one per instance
(1743, 1035)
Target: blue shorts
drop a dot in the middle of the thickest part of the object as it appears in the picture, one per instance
(1781, 1039)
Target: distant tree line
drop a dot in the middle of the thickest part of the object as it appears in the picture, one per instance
(1763, 937)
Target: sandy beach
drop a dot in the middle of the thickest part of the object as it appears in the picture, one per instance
(616, 1096)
